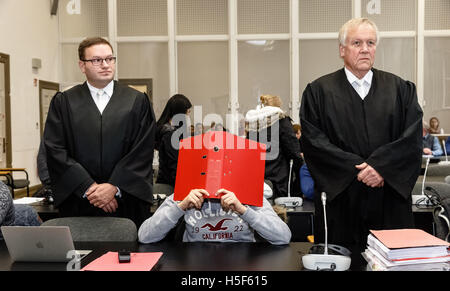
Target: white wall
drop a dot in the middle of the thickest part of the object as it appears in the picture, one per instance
(28, 31)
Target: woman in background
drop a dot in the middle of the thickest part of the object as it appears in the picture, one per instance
(434, 126)
(168, 152)
(263, 122)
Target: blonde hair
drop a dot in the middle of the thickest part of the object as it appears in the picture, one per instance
(356, 22)
(270, 100)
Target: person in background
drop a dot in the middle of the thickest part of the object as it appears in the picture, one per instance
(430, 143)
(178, 105)
(15, 215)
(361, 139)
(99, 138)
(198, 129)
(297, 164)
(297, 130)
(434, 126)
(215, 220)
(267, 120)
(7, 216)
(211, 127)
(219, 127)
(306, 183)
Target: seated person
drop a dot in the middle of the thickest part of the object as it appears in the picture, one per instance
(178, 107)
(297, 164)
(434, 126)
(215, 220)
(269, 124)
(11, 214)
(25, 215)
(198, 129)
(431, 144)
(306, 183)
(7, 216)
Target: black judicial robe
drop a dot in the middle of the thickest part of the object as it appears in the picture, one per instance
(339, 131)
(84, 146)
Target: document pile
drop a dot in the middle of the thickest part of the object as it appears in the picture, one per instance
(406, 250)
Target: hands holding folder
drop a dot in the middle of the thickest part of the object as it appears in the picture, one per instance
(228, 200)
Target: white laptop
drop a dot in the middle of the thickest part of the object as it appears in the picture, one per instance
(38, 243)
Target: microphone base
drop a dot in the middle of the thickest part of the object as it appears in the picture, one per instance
(322, 262)
(289, 201)
(421, 200)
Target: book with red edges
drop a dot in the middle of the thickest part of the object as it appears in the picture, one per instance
(221, 160)
(407, 238)
(407, 244)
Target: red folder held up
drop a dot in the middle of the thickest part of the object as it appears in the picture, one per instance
(221, 160)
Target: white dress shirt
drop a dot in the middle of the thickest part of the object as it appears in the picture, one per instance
(101, 96)
(362, 86)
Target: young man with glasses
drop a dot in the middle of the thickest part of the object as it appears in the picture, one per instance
(99, 138)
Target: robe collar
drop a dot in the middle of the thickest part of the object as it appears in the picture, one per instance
(109, 89)
(352, 78)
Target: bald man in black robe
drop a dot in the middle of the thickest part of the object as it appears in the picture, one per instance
(361, 138)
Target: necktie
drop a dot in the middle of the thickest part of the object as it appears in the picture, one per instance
(102, 100)
(359, 88)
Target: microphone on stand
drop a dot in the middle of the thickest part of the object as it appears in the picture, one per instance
(290, 174)
(422, 199)
(319, 261)
(289, 201)
(323, 197)
(425, 175)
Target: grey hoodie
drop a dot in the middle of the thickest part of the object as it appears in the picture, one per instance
(213, 224)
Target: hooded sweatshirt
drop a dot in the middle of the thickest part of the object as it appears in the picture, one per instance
(213, 224)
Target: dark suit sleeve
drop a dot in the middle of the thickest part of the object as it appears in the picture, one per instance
(399, 162)
(133, 173)
(332, 168)
(66, 174)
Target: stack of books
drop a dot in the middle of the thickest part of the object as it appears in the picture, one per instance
(406, 250)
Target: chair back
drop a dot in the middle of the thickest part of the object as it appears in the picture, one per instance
(440, 187)
(107, 229)
(441, 218)
(447, 179)
(438, 170)
(161, 192)
(159, 188)
(441, 212)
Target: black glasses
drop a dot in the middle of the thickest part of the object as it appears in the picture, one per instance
(99, 61)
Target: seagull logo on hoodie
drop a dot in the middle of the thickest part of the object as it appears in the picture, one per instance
(218, 226)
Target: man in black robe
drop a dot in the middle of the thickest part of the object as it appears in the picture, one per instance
(99, 138)
(361, 142)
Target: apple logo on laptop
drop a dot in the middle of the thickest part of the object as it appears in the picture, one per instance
(39, 245)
